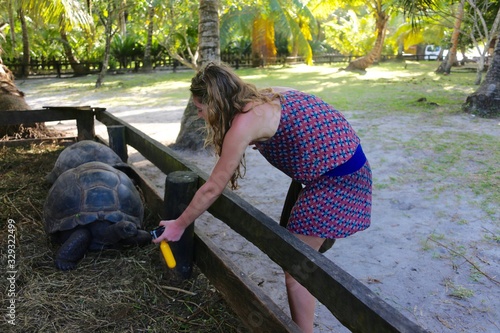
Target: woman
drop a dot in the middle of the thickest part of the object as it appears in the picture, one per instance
(302, 136)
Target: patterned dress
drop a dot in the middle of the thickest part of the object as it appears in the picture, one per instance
(312, 139)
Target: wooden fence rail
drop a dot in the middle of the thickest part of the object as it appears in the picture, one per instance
(62, 67)
(351, 302)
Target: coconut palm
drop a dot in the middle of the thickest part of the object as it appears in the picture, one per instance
(381, 10)
(482, 24)
(292, 19)
(445, 67)
(485, 101)
(148, 64)
(64, 14)
(191, 135)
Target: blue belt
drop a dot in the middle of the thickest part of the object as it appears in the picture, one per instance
(352, 165)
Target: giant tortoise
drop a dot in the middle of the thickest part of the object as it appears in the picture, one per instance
(82, 152)
(92, 207)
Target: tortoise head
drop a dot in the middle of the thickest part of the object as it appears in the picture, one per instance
(105, 234)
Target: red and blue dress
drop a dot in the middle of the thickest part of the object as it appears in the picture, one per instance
(315, 145)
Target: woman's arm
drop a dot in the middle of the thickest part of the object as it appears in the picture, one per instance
(239, 136)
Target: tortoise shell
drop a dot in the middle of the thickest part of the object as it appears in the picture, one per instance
(82, 152)
(93, 191)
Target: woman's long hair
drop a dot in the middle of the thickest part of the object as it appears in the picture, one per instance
(225, 95)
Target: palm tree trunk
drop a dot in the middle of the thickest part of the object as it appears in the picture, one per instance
(485, 102)
(12, 25)
(208, 32)
(452, 53)
(148, 64)
(25, 69)
(192, 135)
(122, 18)
(78, 68)
(451, 59)
(361, 64)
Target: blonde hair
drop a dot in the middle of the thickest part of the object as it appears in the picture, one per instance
(226, 96)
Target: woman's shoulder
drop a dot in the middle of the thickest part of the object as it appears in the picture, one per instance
(261, 120)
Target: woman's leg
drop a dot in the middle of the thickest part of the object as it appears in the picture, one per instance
(301, 302)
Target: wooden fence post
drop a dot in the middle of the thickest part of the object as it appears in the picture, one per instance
(85, 123)
(180, 187)
(117, 141)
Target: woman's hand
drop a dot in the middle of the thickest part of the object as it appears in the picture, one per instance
(173, 231)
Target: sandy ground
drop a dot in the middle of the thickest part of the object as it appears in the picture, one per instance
(419, 253)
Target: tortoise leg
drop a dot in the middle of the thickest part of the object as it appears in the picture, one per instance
(73, 249)
(142, 238)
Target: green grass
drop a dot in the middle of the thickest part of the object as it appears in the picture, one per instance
(458, 291)
(386, 88)
(461, 160)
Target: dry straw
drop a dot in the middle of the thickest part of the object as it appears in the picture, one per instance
(123, 290)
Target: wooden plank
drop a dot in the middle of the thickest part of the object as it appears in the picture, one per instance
(166, 159)
(249, 302)
(35, 116)
(85, 124)
(118, 141)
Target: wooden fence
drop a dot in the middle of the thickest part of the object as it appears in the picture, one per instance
(62, 68)
(351, 302)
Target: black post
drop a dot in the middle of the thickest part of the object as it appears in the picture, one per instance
(117, 141)
(180, 187)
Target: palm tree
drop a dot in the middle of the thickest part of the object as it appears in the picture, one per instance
(292, 19)
(301, 24)
(11, 98)
(483, 24)
(191, 135)
(382, 11)
(71, 14)
(26, 45)
(78, 68)
(208, 32)
(64, 14)
(148, 64)
(485, 101)
(445, 67)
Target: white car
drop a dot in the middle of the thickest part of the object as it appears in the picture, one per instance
(432, 52)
